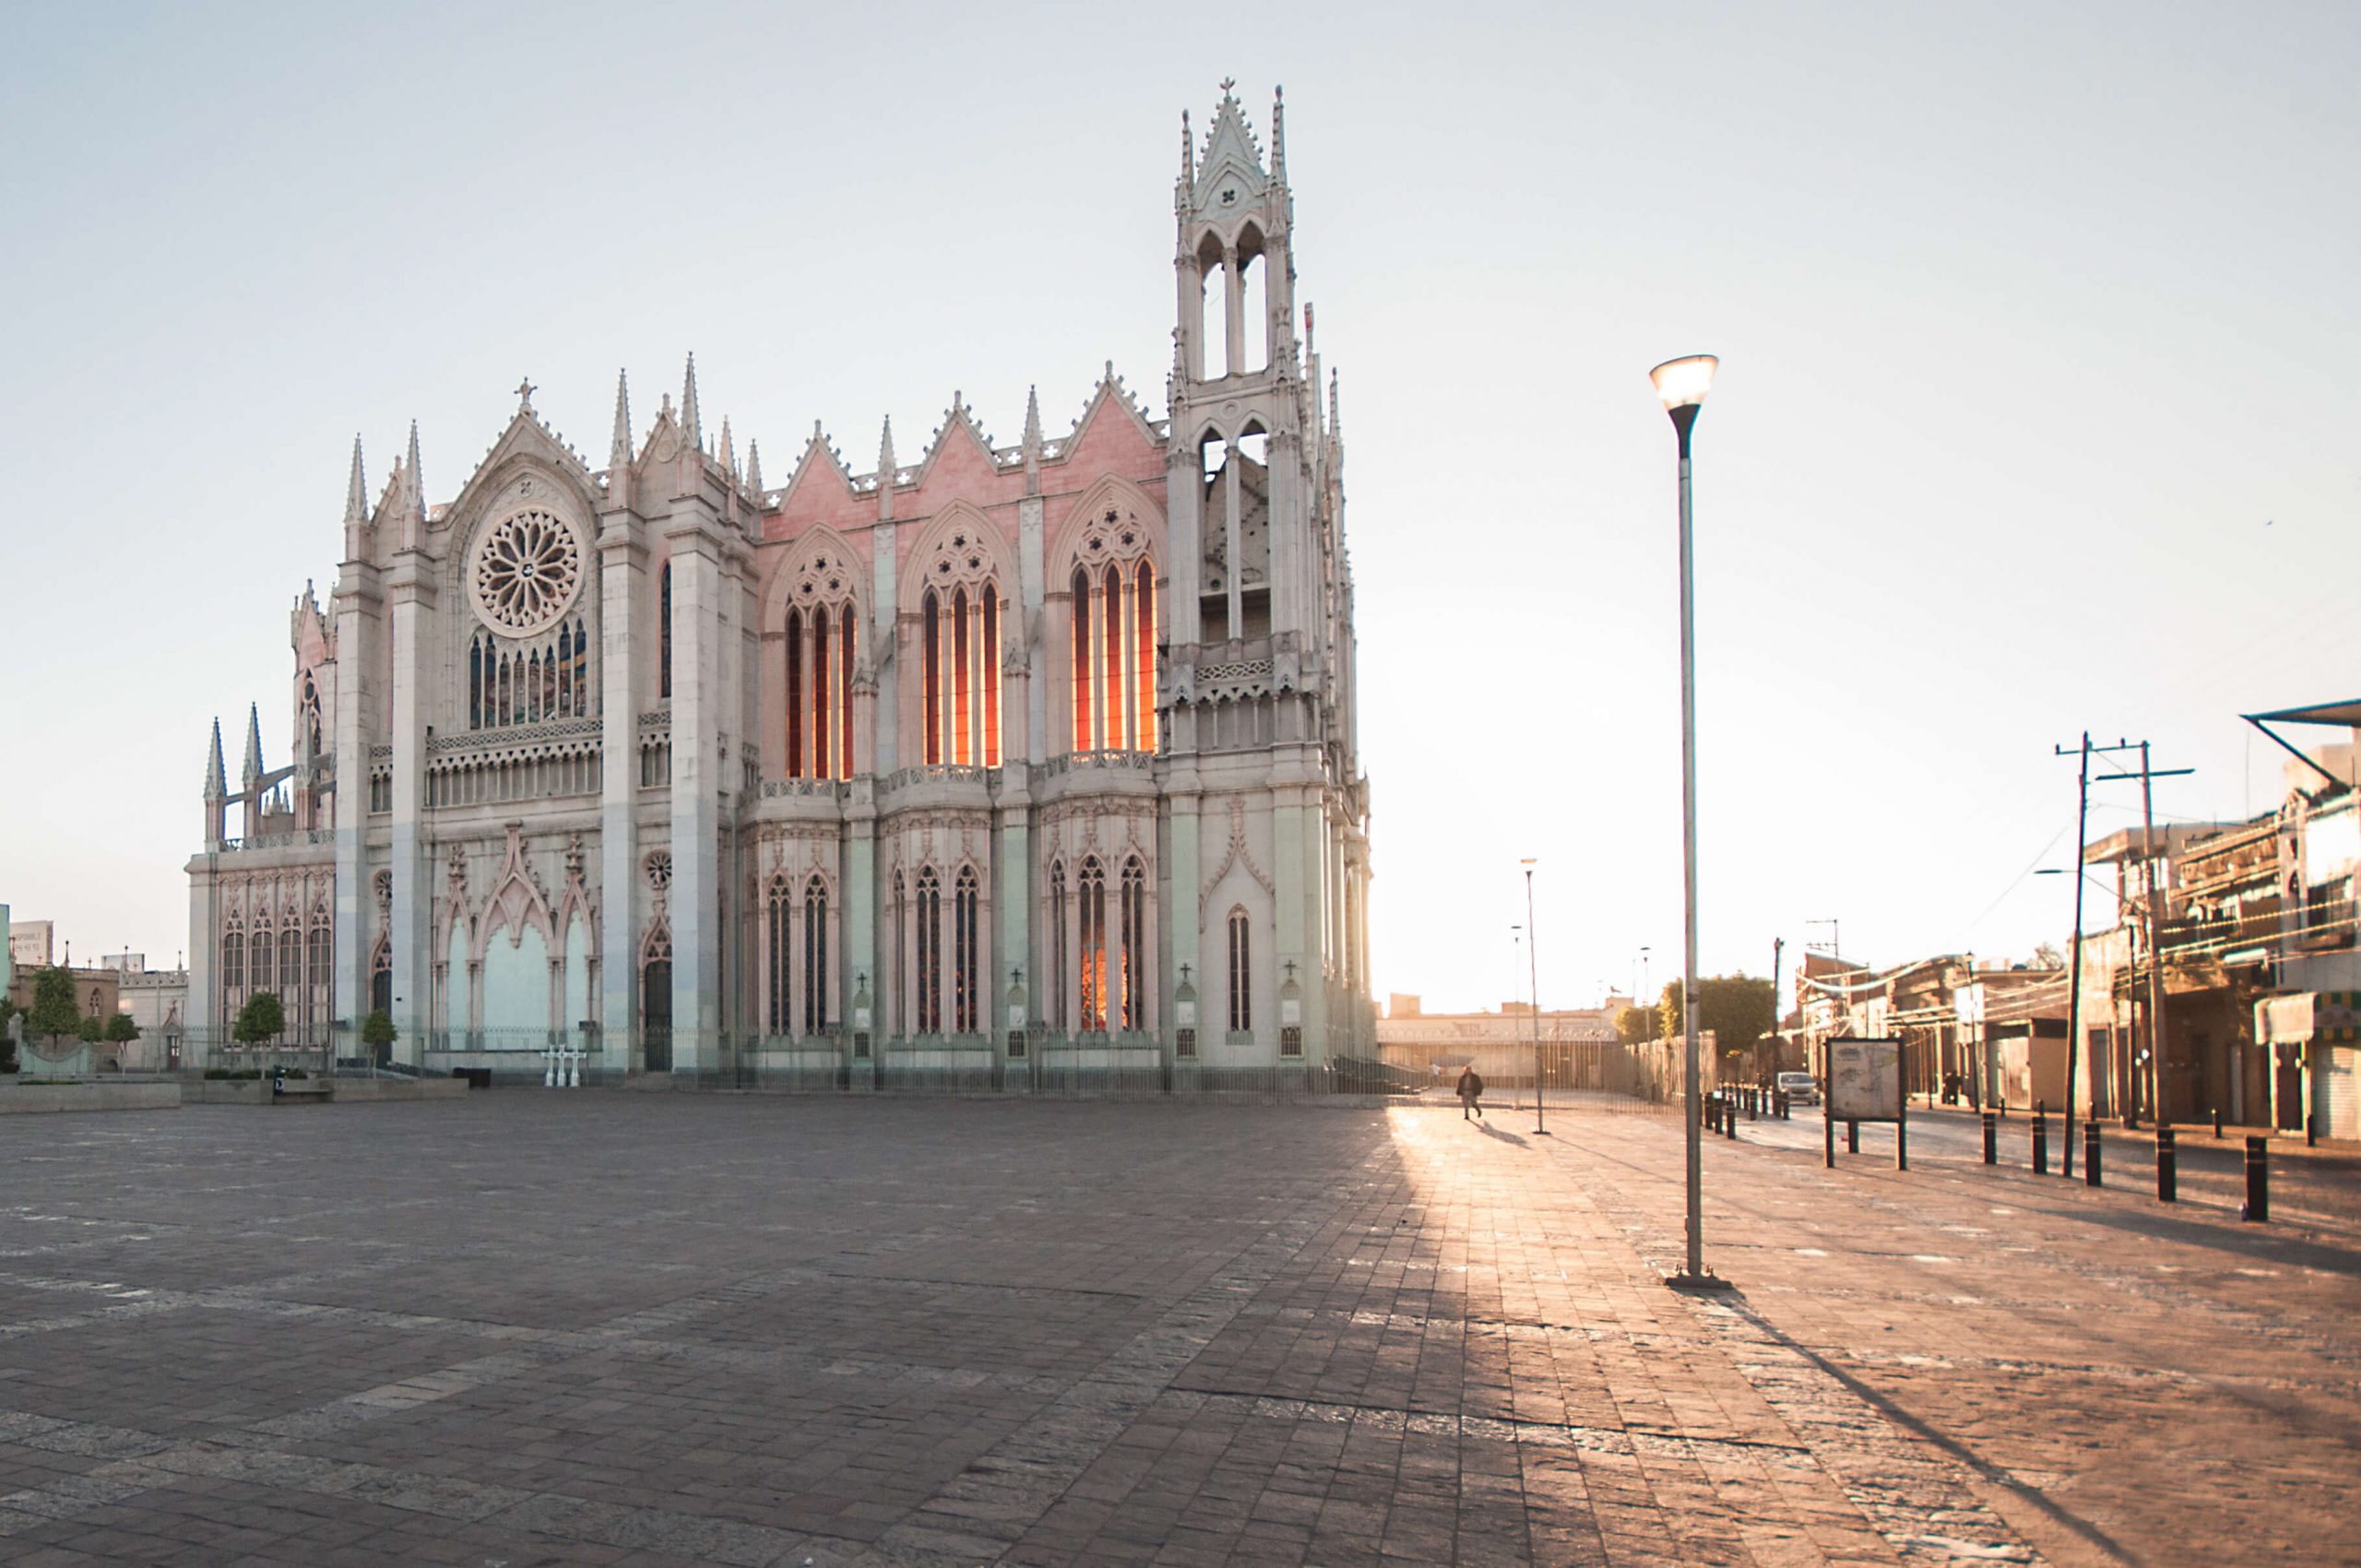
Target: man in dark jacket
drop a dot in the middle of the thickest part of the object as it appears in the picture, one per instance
(1471, 1093)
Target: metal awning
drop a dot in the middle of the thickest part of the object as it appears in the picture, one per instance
(2325, 1017)
(2345, 714)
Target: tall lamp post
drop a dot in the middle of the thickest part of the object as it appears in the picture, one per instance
(1681, 385)
(1533, 970)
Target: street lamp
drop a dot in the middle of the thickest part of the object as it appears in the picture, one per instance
(1681, 385)
(1533, 970)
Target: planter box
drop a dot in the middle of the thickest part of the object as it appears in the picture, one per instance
(17, 1098)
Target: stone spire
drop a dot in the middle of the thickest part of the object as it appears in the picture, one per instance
(1187, 152)
(755, 469)
(886, 473)
(1280, 133)
(728, 450)
(217, 781)
(1032, 440)
(1334, 424)
(253, 770)
(619, 450)
(413, 496)
(689, 425)
(356, 491)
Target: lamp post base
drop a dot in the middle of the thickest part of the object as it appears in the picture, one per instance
(1706, 1284)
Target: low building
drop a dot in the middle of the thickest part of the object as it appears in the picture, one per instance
(1577, 1046)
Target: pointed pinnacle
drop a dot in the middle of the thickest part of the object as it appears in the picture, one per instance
(1278, 130)
(356, 490)
(728, 450)
(755, 467)
(1188, 149)
(1032, 418)
(412, 479)
(689, 426)
(217, 783)
(885, 454)
(619, 451)
(252, 766)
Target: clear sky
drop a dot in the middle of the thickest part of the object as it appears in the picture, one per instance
(2037, 409)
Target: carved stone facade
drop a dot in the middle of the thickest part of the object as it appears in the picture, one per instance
(1013, 751)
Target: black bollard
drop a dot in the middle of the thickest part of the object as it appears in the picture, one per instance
(2040, 1144)
(2167, 1168)
(2091, 1154)
(1729, 1119)
(2257, 1180)
(1991, 1138)
(2217, 1123)
(1754, 1105)
(1852, 1138)
(2312, 1130)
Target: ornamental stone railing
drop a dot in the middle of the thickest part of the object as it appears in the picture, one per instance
(302, 839)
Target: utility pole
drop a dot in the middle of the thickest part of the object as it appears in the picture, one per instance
(1778, 948)
(2151, 896)
(2074, 976)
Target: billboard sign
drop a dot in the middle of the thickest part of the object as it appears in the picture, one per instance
(1864, 1079)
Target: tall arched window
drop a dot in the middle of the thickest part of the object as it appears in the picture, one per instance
(664, 631)
(1058, 974)
(290, 971)
(821, 693)
(959, 659)
(795, 703)
(1092, 921)
(381, 977)
(233, 960)
(816, 957)
(1086, 711)
(901, 953)
(929, 919)
(1241, 1002)
(258, 954)
(1135, 930)
(1113, 593)
(967, 960)
(475, 684)
(317, 962)
(775, 950)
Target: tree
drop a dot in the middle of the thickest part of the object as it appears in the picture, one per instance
(1738, 1009)
(54, 1011)
(260, 1019)
(1635, 1025)
(122, 1028)
(377, 1032)
(88, 1030)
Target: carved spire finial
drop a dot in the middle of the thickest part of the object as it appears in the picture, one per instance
(689, 425)
(1188, 149)
(1032, 444)
(754, 468)
(217, 783)
(253, 770)
(413, 495)
(1278, 132)
(356, 491)
(619, 450)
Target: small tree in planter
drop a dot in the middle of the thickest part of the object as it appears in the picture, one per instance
(53, 1012)
(378, 1034)
(121, 1029)
(260, 1019)
(90, 1031)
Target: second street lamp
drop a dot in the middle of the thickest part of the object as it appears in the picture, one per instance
(1681, 385)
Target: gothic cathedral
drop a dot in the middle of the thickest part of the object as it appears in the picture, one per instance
(1010, 761)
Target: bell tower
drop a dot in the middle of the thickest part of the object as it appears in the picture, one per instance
(1240, 491)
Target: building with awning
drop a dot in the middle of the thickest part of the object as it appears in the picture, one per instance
(2314, 1039)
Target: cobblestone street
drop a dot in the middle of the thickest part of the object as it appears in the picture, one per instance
(599, 1328)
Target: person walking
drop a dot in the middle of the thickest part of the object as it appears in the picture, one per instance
(1471, 1093)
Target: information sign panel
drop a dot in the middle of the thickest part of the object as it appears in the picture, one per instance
(1864, 1080)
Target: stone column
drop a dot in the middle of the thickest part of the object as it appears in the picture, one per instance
(623, 563)
(356, 601)
(696, 818)
(412, 592)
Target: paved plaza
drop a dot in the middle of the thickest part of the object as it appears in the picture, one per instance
(597, 1328)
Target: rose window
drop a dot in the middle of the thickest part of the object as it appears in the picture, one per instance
(526, 573)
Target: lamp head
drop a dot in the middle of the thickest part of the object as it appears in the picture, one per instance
(1681, 386)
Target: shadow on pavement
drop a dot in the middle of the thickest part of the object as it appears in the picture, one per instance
(1993, 1474)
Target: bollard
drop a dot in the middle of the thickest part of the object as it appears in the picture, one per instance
(1852, 1138)
(1729, 1120)
(2091, 1154)
(2312, 1130)
(1754, 1105)
(2040, 1144)
(1991, 1138)
(2258, 1205)
(1779, 1104)
(2217, 1123)
(2167, 1168)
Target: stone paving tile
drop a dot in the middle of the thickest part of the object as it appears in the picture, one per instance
(595, 1329)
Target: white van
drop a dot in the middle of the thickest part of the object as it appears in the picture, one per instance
(1801, 1088)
